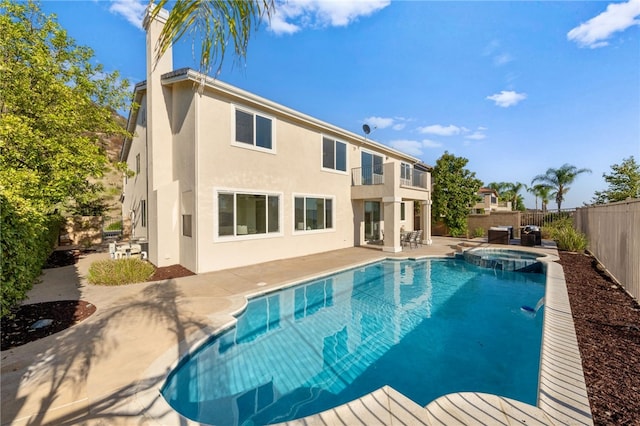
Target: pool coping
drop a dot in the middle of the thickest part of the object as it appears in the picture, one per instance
(562, 395)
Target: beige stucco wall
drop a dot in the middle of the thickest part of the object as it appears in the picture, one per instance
(135, 187)
(294, 168)
(205, 160)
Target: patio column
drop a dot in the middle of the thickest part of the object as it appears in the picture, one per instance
(392, 224)
(426, 223)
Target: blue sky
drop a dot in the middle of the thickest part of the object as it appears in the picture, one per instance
(514, 87)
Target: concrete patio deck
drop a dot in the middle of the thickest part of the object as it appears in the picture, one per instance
(109, 368)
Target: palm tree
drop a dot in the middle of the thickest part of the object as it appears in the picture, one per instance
(559, 179)
(542, 191)
(509, 191)
(218, 23)
(513, 195)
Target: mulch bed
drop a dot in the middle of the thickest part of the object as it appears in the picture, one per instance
(170, 272)
(607, 322)
(19, 330)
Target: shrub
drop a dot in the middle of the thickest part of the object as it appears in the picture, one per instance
(120, 271)
(27, 238)
(565, 236)
(478, 232)
(114, 226)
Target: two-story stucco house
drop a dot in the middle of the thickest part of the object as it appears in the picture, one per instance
(490, 202)
(225, 178)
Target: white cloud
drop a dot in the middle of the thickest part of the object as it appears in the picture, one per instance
(617, 17)
(407, 146)
(279, 25)
(491, 48)
(507, 98)
(379, 122)
(437, 129)
(502, 59)
(291, 16)
(499, 58)
(476, 136)
(427, 143)
(131, 10)
(413, 147)
(396, 123)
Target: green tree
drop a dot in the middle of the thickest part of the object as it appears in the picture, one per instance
(54, 105)
(543, 192)
(559, 180)
(218, 24)
(624, 182)
(454, 192)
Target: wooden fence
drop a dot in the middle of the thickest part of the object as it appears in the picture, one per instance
(613, 231)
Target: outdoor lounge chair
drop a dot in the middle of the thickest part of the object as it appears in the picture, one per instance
(419, 238)
(498, 236)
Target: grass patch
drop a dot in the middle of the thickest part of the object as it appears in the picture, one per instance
(120, 271)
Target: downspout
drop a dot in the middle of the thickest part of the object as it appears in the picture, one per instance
(196, 196)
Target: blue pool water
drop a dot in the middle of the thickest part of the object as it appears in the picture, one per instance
(426, 328)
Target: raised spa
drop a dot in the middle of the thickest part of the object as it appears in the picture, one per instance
(504, 259)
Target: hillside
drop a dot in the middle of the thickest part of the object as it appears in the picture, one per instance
(112, 179)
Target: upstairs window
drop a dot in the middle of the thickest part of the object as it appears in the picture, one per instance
(253, 130)
(334, 154)
(405, 171)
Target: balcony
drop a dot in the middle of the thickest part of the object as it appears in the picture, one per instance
(388, 180)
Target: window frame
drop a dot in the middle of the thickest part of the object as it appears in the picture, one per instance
(335, 144)
(332, 218)
(254, 113)
(249, 236)
(406, 173)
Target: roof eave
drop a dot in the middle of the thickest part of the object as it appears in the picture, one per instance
(132, 119)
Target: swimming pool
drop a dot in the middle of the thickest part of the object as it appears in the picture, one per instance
(426, 328)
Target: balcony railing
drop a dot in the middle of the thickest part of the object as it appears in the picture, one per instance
(375, 176)
(367, 176)
(415, 179)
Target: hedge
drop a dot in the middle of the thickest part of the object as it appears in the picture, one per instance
(27, 237)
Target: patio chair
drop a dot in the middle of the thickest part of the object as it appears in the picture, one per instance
(414, 238)
(419, 238)
(112, 250)
(406, 239)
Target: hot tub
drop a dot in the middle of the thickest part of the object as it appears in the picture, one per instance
(506, 260)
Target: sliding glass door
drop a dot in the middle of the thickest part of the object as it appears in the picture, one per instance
(372, 220)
